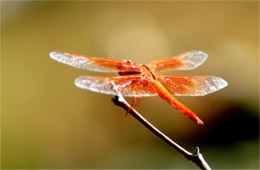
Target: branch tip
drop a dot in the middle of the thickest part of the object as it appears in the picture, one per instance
(197, 151)
(114, 99)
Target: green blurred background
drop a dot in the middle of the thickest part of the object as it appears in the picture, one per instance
(46, 122)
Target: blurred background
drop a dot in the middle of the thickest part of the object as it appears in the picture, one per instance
(46, 122)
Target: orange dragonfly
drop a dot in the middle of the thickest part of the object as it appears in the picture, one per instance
(140, 80)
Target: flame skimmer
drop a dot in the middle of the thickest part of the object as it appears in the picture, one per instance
(140, 80)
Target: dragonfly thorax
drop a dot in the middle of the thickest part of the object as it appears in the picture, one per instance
(147, 72)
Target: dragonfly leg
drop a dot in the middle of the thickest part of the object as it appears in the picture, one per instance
(132, 106)
(139, 99)
(134, 101)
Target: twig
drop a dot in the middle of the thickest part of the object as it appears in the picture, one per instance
(195, 157)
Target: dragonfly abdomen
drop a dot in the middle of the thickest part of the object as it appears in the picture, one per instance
(166, 95)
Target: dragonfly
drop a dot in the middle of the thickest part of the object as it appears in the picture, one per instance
(140, 80)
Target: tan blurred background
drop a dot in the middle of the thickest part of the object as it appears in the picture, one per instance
(46, 122)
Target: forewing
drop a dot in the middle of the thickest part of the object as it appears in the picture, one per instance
(185, 61)
(92, 63)
(129, 86)
(192, 85)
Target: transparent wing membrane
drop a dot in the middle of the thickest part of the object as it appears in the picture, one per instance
(192, 85)
(93, 63)
(128, 86)
(185, 61)
(135, 79)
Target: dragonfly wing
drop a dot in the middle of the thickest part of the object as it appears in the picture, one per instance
(185, 61)
(192, 85)
(129, 86)
(93, 63)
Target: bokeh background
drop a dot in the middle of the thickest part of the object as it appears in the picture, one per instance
(46, 122)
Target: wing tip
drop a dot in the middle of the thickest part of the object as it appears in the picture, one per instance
(78, 82)
(212, 84)
(202, 55)
(55, 55)
(218, 84)
(194, 59)
(222, 83)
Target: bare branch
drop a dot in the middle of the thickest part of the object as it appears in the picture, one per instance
(195, 157)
